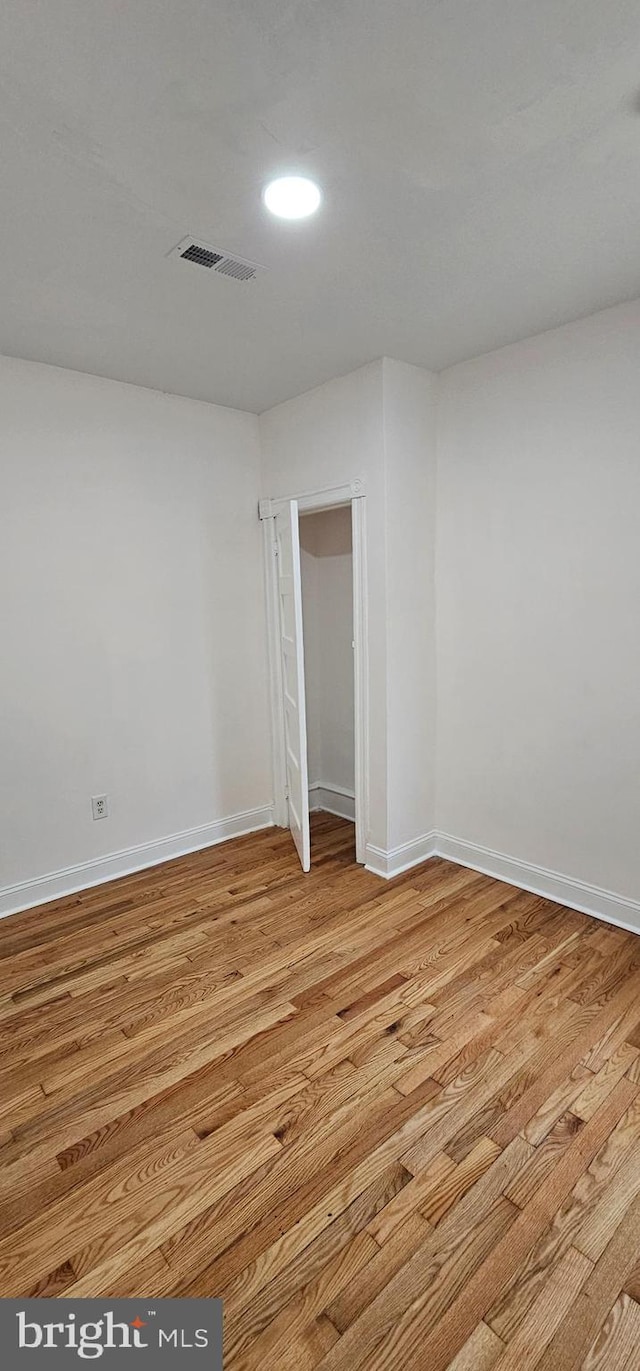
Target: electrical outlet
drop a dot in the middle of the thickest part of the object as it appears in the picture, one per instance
(100, 806)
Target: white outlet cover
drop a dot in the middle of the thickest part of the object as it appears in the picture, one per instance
(100, 806)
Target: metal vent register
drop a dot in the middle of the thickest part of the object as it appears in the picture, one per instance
(203, 255)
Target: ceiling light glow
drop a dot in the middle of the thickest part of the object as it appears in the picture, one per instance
(292, 197)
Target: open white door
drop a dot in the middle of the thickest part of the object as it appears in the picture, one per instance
(291, 647)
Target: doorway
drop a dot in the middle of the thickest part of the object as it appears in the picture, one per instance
(317, 633)
(326, 563)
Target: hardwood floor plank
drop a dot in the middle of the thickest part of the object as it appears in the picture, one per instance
(602, 1221)
(422, 1189)
(392, 1124)
(525, 1283)
(258, 1295)
(573, 1341)
(615, 1346)
(389, 1259)
(428, 1281)
(473, 1303)
(480, 1352)
(534, 1334)
(391, 1332)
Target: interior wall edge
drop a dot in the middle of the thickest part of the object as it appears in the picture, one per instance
(393, 861)
(606, 905)
(57, 884)
(602, 904)
(333, 800)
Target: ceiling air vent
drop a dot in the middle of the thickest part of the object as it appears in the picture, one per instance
(192, 250)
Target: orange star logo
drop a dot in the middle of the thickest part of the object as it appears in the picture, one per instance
(138, 1322)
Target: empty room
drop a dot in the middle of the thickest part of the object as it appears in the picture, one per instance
(320, 684)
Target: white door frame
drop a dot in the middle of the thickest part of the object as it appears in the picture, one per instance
(318, 500)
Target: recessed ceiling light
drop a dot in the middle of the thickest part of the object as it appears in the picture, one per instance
(292, 197)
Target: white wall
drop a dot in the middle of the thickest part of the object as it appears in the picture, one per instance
(132, 618)
(327, 593)
(312, 659)
(329, 437)
(378, 424)
(410, 471)
(538, 582)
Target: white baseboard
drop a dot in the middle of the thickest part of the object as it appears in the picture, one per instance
(72, 878)
(398, 859)
(552, 885)
(334, 799)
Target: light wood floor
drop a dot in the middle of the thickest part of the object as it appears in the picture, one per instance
(394, 1125)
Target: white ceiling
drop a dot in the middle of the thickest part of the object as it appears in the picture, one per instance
(480, 161)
